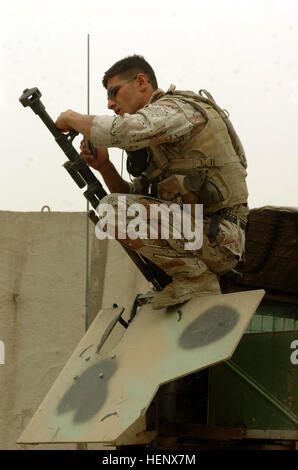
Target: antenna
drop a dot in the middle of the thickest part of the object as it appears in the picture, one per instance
(87, 209)
(83, 445)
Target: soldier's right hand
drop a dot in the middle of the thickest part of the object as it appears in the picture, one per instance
(96, 162)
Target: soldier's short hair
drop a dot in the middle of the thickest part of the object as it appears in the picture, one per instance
(130, 66)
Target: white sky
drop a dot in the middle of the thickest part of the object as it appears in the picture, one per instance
(244, 52)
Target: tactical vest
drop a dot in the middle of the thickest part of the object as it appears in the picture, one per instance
(213, 161)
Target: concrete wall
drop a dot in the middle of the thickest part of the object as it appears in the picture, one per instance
(42, 309)
(42, 305)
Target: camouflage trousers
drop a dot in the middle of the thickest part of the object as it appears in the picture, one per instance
(218, 255)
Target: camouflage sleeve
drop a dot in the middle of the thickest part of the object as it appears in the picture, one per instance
(100, 133)
(164, 121)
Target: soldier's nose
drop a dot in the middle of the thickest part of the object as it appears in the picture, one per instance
(111, 104)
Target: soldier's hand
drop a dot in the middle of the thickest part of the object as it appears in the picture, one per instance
(62, 120)
(96, 162)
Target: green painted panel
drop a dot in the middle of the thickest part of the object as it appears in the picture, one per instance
(266, 358)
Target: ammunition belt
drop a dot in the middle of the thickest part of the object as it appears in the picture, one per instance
(224, 214)
(232, 217)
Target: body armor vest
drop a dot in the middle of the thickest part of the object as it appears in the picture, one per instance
(213, 161)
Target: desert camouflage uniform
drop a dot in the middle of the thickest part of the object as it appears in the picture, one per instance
(170, 124)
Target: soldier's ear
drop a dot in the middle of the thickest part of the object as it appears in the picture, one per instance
(142, 80)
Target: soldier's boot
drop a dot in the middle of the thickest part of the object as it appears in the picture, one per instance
(184, 288)
(191, 277)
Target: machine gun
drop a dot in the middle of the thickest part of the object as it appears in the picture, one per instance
(82, 175)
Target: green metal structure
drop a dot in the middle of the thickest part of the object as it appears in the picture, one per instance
(258, 387)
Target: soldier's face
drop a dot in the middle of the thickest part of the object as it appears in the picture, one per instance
(126, 95)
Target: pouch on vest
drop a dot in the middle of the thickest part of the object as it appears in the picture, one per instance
(193, 188)
(173, 189)
(199, 182)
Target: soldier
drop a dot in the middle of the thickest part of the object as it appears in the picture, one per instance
(181, 148)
